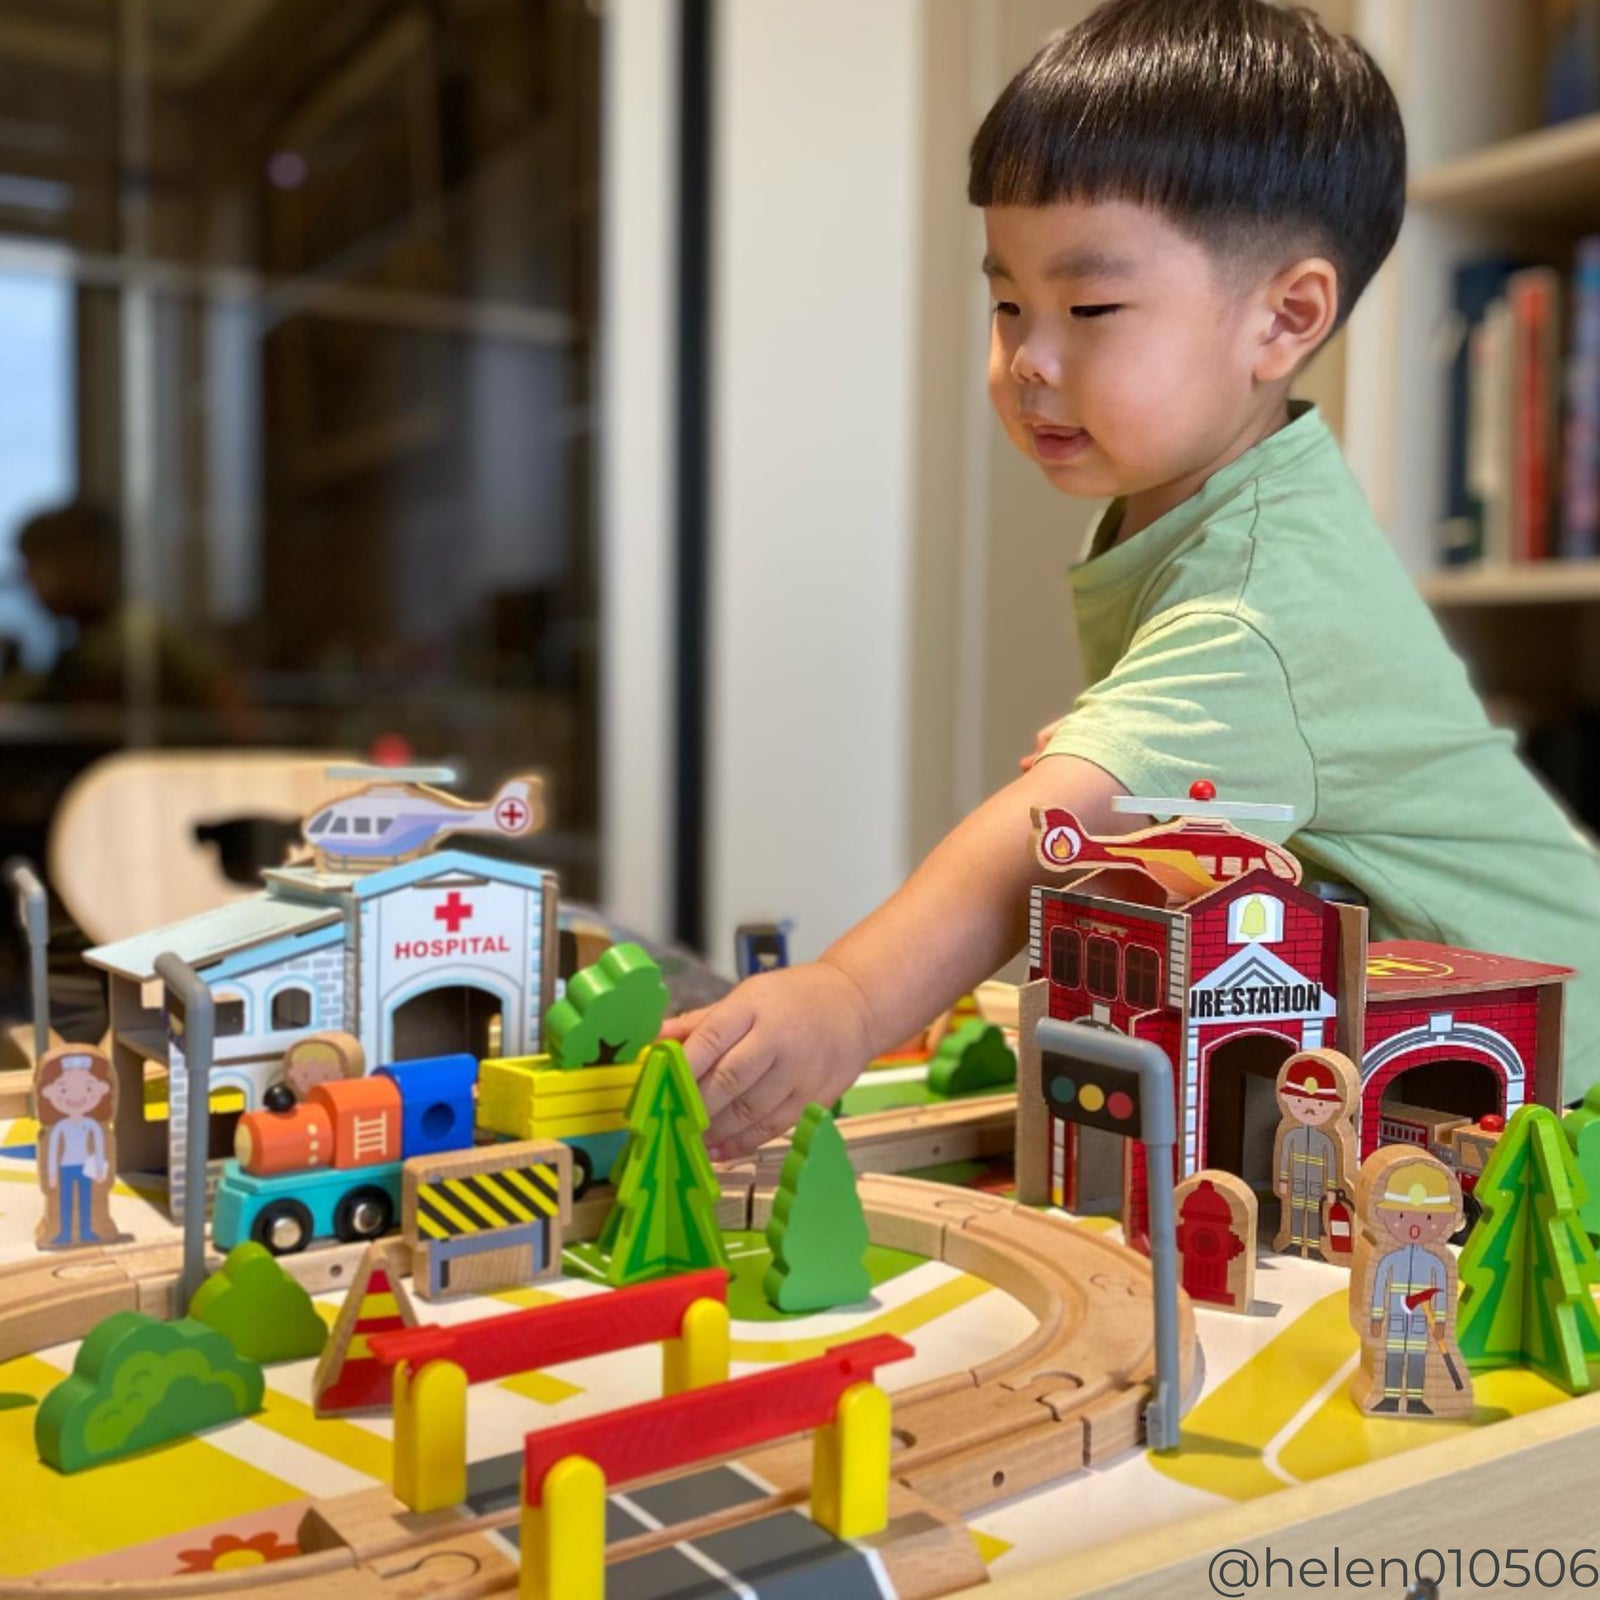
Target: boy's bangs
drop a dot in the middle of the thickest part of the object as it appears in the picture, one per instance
(1226, 115)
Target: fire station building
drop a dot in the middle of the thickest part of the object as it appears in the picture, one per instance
(1236, 980)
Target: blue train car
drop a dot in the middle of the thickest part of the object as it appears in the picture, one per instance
(285, 1212)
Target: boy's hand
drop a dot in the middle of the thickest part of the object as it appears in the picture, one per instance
(767, 1050)
(1040, 740)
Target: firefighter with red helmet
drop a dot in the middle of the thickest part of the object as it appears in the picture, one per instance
(1307, 1160)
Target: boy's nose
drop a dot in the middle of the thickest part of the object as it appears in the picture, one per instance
(1035, 363)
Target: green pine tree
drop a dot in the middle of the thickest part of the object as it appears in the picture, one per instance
(664, 1218)
(817, 1233)
(1582, 1128)
(1527, 1268)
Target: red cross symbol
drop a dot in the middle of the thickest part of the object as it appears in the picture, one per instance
(511, 814)
(453, 912)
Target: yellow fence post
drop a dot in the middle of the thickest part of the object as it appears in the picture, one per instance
(430, 1435)
(698, 1357)
(850, 1465)
(564, 1539)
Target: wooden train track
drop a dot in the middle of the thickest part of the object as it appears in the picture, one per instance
(52, 1298)
(913, 1136)
(1070, 1395)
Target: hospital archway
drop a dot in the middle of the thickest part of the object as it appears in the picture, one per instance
(446, 1020)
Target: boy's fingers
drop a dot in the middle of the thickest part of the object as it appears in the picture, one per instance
(733, 1074)
(682, 1025)
(750, 1111)
(718, 1029)
(779, 1120)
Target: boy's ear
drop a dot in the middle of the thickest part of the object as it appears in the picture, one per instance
(1302, 303)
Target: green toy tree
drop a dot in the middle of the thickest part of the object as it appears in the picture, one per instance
(1582, 1128)
(266, 1315)
(817, 1232)
(138, 1382)
(610, 1012)
(664, 1219)
(972, 1058)
(1528, 1265)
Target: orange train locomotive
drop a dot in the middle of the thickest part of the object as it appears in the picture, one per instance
(330, 1165)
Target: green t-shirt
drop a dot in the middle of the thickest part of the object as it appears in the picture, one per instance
(1263, 635)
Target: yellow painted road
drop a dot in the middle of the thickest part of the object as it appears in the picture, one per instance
(70, 1516)
(1286, 1415)
(902, 1319)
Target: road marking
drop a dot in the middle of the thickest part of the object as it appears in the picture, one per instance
(1269, 1454)
(902, 1319)
(734, 1584)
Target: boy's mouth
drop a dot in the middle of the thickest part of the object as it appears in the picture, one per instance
(1056, 444)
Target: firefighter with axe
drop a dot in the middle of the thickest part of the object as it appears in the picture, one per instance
(1410, 1205)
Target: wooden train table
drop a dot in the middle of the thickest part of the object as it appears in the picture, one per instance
(1015, 1426)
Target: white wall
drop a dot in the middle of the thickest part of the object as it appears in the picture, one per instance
(815, 270)
(638, 299)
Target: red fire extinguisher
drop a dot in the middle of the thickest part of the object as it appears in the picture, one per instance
(1340, 1240)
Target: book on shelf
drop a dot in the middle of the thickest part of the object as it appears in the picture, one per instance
(1476, 285)
(1580, 437)
(1572, 59)
(1534, 295)
(1490, 454)
(1522, 466)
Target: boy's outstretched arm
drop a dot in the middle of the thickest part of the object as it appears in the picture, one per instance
(782, 1039)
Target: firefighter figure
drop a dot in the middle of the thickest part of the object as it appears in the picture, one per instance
(1403, 1301)
(1315, 1151)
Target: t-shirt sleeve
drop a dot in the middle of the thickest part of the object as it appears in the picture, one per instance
(1197, 695)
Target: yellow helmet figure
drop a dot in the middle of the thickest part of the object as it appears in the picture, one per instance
(1417, 1186)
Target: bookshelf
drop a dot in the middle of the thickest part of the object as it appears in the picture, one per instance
(1542, 177)
(1488, 180)
(1539, 583)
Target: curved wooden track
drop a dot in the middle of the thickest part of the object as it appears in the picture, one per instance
(1068, 1396)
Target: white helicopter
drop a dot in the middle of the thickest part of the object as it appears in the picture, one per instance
(401, 814)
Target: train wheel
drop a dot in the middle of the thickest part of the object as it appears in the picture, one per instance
(582, 1173)
(363, 1214)
(283, 1227)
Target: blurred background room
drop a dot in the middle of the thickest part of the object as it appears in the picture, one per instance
(595, 387)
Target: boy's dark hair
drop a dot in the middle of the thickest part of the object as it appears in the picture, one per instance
(1251, 126)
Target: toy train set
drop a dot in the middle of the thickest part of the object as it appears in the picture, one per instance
(331, 1165)
(1202, 970)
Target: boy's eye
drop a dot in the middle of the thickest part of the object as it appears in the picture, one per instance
(1094, 311)
(1007, 308)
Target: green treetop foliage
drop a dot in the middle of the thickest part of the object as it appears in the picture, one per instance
(817, 1232)
(610, 1012)
(664, 1219)
(265, 1313)
(138, 1382)
(972, 1058)
(1582, 1128)
(1528, 1265)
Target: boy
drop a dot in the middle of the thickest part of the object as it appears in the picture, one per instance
(1183, 199)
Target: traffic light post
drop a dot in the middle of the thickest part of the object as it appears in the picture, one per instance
(192, 1015)
(1106, 1080)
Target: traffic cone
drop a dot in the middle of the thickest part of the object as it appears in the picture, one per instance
(348, 1376)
